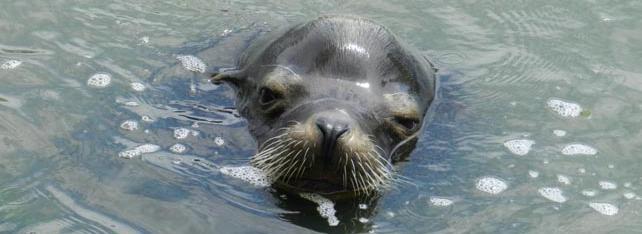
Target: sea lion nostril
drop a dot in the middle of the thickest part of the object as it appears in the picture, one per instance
(331, 130)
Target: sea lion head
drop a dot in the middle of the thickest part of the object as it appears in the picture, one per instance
(332, 103)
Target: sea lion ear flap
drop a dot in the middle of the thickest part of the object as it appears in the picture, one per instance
(235, 78)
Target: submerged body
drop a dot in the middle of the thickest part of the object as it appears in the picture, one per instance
(332, 104)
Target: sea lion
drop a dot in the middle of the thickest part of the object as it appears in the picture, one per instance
(332, 103)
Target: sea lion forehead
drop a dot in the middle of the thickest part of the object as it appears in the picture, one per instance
(328, 41)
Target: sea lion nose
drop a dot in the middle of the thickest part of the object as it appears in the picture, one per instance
(331, 129)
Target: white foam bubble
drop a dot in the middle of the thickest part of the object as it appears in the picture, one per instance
(607, 185)
(99, 80)
(581, 170)
(564, 109)
(138, 87)
(533, 174)
(219, 141)
(589, 193)
(129, 153)
(564, 179)
(627, 184)
(248, 174)
(604, 208)
(181, 133)
(139, 150)
(325, 207)
(559, 132)
(147, 118)
(578, 149)
(10, 64)
(552, 193)
(491, 185)
(363, 206)
(148, 148)
(440, 201)
(192, 63)
(363, 220)
(178, 148)
(519, 146)
(131, 103)
(129, 125)
(144, 39)
(629, 195)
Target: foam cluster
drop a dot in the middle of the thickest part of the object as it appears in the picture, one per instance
(578, 149)
(604, 208)
(138, 87)
(178, 148)
(191, 63)
(559, 132)
(248, 174)
(325, 207)
(607, 185)
(564, 109)
(129, 125)
(139, 150)
(589, 193)
(99, 80)
(219, 141)
(553, 194)
(181, 133)
(440, 201)
(10, 64)
(519, 147)
(491, 185)
(147, 118)
(563, 179)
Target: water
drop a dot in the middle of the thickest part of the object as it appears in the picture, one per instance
(503, 64)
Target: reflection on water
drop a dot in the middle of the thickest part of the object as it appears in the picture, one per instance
(536, 128)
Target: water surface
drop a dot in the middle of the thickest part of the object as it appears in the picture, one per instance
(520, 83)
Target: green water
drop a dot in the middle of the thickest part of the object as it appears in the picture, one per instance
(500, 63)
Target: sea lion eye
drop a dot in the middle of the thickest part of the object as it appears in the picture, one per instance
(267, 96)
(409, 123)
